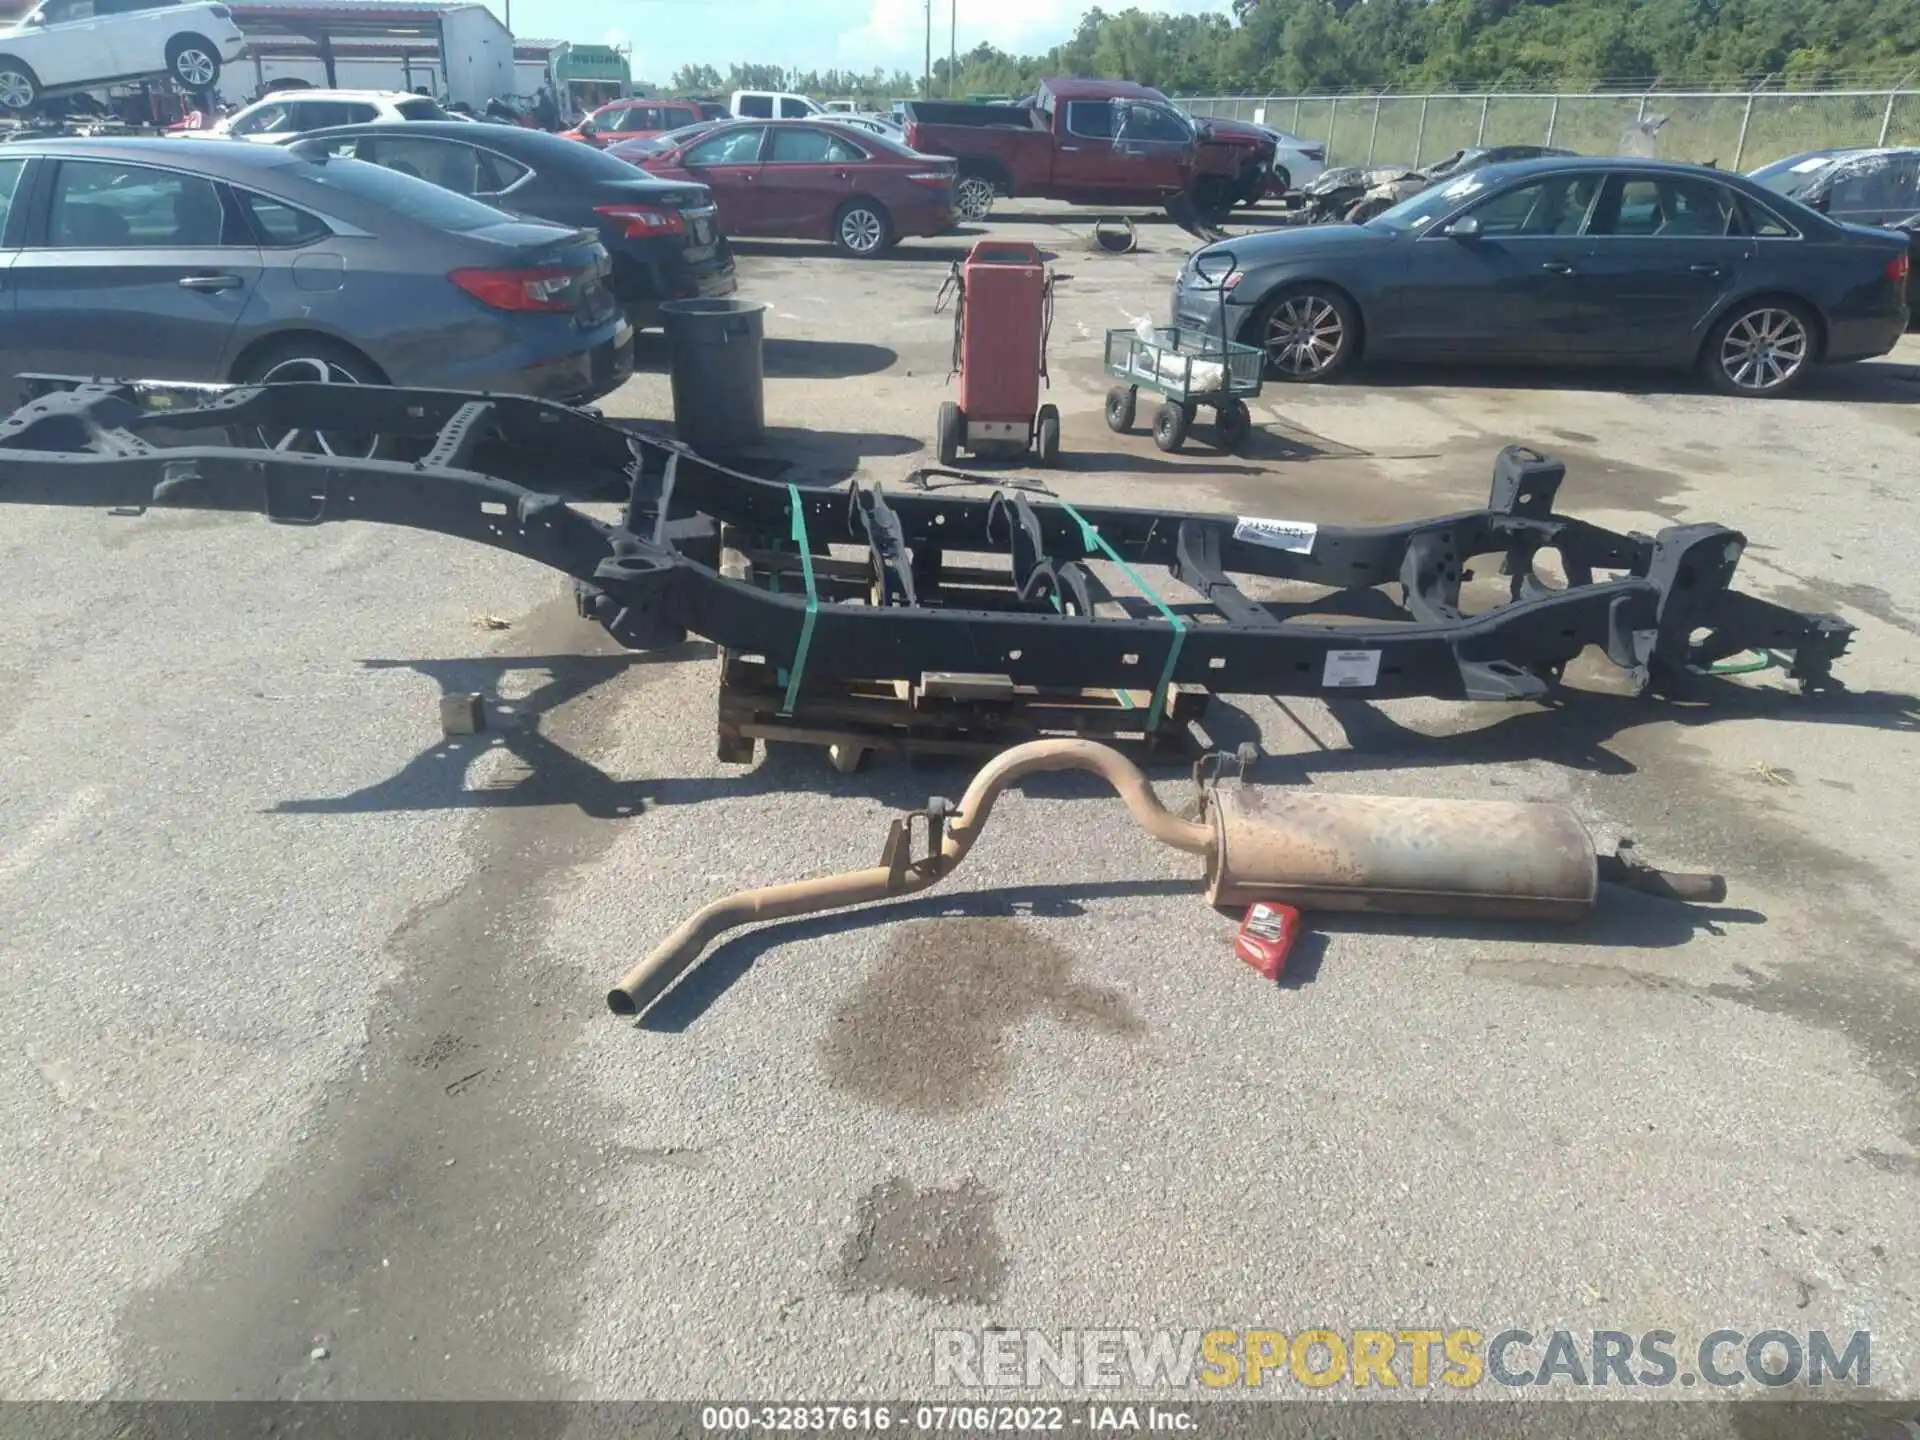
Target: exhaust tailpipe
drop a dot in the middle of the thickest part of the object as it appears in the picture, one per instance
(951, 834)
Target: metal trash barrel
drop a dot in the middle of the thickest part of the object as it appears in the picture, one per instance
(719, 374)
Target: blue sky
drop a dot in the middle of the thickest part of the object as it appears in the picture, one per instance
(806, 34)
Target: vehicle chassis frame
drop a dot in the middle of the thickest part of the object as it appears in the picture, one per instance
(501, 471)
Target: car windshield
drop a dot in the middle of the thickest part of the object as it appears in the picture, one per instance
(1419, 211)
(1793, 174)
(420, 199)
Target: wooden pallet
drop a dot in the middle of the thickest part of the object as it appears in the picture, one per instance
(943, 714)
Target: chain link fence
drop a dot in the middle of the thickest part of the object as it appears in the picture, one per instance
(1735, 129)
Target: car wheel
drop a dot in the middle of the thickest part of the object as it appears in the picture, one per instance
(1761, 348)
(193, 61)
(973, 197)
(1046, 444)
(1281, 180)
(861, 229)
(19, 87)
(1309, 333)
(309, 361)
(1121, 401)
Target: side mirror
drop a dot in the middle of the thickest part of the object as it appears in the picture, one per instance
(589, 128)
(1465, 228)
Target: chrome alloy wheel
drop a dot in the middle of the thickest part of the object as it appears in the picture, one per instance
(1305, 335)
(1764, 349)
(974, 197)
(861, 231)
(195, 68)
(16, 90)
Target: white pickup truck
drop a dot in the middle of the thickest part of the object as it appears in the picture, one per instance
(771, 105)
(63, 46)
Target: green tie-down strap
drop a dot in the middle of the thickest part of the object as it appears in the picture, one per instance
(799, 532)
(1091, 539)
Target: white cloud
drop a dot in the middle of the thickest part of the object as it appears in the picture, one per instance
(894, 32)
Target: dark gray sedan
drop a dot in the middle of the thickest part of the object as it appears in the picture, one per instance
(212, 260)
(1565, 261)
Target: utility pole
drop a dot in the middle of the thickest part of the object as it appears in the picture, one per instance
(953, 50)
(927, 84)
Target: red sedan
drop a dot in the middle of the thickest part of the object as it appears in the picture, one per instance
(802, 180)
(633, 120)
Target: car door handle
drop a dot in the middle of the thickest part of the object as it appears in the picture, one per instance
(1713, 270)
(1069, 149)
(211, 282)
(1556, 267)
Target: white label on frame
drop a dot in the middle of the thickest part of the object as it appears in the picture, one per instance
(1294, 535)
(1351, 669)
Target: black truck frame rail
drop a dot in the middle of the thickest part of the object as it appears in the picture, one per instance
(502, 470)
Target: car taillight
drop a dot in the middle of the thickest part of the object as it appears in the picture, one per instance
(517, 289)
(642, 222)
(1898, 267)
(932, 177)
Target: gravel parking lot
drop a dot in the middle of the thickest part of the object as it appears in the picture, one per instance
(309, 1089)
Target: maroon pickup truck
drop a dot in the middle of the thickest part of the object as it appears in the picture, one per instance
(1092, 142)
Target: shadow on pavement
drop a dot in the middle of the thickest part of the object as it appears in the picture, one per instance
(716, 972)
(783, 358)
(909, 251)
(1622, 919)
(1572, 732)
(1872, 381)
(814, 458)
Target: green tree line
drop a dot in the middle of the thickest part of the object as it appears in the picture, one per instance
(873, 86)
(1309, 46)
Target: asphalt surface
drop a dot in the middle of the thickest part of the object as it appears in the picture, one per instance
(307, 1088)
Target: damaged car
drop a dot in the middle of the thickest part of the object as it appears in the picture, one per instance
(1356, 193)
(1878, 186)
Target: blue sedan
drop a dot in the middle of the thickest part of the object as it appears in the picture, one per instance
(1565, 261)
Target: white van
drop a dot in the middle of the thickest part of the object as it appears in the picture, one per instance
(771, 105)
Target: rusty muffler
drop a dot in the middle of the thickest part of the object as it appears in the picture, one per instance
(1311, 850)
(1399, 855)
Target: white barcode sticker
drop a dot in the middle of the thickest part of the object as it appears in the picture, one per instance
(1294, 535)
(1351, 669)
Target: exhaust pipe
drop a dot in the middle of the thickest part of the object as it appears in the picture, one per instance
(1307, 849)
(950, 836)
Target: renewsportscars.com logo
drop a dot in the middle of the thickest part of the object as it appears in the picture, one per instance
(1414, 1357)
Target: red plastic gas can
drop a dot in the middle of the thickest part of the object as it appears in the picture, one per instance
(1266, 935)
(1002, 320)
